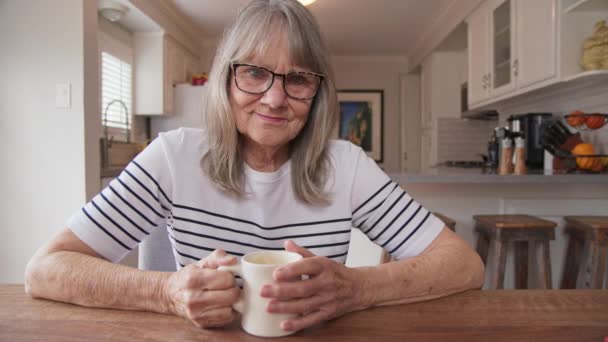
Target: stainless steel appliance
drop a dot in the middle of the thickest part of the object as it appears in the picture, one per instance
(530, 126)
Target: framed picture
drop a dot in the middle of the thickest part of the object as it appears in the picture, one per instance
(360, 120)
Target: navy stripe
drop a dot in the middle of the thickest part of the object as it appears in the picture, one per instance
(131, 206)
(258, 225)
(372, 197)
(139, 198)
(200, 247)
(405, 224)
(412, 233)
(153, 180)
(259, 236)
(114, 222)
(394, 219)
(104, 230)
(125, 216)
(252, 245)
(146, 188)
(337, 255)
(185, 256)
(385, 213)
(378, 205)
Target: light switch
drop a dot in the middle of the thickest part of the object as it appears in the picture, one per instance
(63, 95)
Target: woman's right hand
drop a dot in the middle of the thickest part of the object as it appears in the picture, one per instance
(201, 293)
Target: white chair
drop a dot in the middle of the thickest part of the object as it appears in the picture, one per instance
(155, 252)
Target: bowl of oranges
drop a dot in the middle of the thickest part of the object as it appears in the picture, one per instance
(586, 159)
(584, 121)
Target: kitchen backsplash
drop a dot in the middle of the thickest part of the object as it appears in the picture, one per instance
(462, 139)
(588, 99)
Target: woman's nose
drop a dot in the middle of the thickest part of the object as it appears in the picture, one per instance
(275, 96)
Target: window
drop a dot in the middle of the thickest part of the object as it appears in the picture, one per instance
(116, 84)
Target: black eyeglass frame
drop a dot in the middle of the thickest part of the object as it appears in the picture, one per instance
(274, 74)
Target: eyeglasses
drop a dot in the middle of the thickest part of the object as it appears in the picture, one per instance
(299, 85)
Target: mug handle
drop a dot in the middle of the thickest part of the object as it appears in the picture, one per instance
(239, 306)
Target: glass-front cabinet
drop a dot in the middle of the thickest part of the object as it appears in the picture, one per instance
(511, 46)
(503, 63)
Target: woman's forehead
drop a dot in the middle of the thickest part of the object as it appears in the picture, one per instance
(273, 47)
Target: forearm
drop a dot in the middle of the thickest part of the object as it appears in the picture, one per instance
(89, 281)
(439, 272)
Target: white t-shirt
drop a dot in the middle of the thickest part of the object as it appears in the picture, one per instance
(164, 187)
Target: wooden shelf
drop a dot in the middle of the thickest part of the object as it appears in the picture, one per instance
(587, 6)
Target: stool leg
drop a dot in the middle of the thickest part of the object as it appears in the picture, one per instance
(521, 264)
(598, 264)
(499, 259)
(482, 248)
(544, 269)
(571, 264)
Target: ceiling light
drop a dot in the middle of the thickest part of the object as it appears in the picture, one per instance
(112, 10)
(306, 2)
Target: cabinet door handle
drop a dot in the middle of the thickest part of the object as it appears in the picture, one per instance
(515, 67)
(484, 81)
(489, 81)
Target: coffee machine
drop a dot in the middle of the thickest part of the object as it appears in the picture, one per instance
(530, 126)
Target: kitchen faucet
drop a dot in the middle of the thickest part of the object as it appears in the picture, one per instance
(105, 142)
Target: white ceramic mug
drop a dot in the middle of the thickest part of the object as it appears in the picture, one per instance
(255, 269)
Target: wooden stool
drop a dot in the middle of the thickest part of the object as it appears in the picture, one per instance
(448, 221)
(586, 233)
(522, 230)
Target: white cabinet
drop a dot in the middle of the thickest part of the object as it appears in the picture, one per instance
(511, 46)
(479, 56)
(442, 75)
(536, 42)
(160, 63)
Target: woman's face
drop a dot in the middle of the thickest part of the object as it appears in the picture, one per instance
(271, 119)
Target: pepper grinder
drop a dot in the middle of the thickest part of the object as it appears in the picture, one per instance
(520, 156)
(506, 157)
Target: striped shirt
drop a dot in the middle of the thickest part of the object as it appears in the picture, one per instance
(164, 187)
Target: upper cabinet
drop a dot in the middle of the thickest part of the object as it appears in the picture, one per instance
(442, 75)
(511, 46)
(160, 64)
(516, 46)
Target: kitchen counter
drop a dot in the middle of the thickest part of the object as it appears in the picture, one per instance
(480, 176)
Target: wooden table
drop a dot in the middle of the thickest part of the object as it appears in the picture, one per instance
(502, 315)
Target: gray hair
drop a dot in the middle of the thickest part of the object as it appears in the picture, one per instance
(248, 36)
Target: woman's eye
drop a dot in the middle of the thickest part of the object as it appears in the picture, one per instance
(256, 72)
(297, 79)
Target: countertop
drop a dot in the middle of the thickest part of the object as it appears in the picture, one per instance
(480, 176)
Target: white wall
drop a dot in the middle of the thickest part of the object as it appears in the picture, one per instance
(367, 72)
(42, 175)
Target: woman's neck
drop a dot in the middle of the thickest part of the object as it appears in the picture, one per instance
(264, 158)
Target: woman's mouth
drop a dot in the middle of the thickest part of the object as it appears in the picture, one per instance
(272, 119)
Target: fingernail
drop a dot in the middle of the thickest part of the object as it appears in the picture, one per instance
(266, 291)
(286, 325)
(279, 273)
(271, 306)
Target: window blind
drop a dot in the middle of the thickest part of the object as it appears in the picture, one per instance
(116, 84)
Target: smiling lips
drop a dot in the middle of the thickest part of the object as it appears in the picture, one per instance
(271, 118)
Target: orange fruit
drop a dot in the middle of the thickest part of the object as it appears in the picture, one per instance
(597, 165)
(584, 149)
(594, 121)
(575, 118)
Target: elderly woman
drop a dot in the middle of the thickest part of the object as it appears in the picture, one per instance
(262, 174)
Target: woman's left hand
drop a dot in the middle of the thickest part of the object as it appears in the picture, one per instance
(331, 290)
